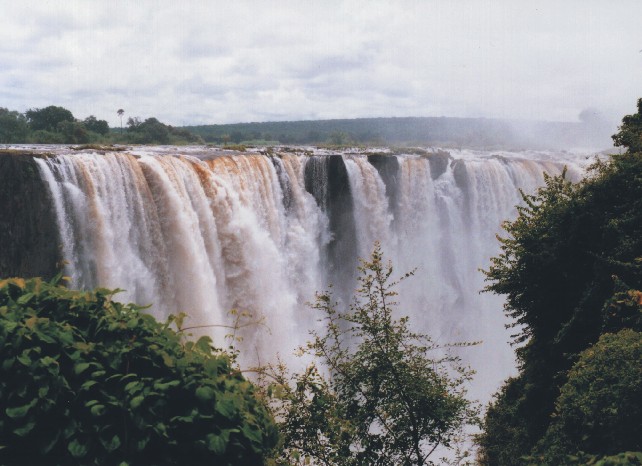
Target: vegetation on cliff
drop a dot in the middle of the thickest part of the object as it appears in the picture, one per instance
(571, 268)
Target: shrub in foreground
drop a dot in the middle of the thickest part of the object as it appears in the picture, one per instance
(379, 393)
(87, 380)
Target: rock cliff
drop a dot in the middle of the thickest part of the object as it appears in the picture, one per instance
(29, 238)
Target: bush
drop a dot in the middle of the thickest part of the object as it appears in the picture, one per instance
(599, 408)
(87, 380)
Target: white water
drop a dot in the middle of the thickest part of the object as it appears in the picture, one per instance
(205, 234)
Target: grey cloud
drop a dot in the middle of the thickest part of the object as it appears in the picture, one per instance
(195, 49)
(216, 62)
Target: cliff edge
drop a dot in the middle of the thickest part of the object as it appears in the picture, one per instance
(29, 238)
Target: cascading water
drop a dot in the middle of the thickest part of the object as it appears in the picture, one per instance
(204, 234)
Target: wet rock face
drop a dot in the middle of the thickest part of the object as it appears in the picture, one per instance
(439, 163)
(29, 238)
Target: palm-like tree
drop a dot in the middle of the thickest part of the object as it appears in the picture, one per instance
(120, 113)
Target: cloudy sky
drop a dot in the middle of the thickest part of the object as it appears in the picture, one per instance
(194, 62)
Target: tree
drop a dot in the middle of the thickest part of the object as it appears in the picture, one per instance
(120, 113)
(237, 136)
(95, 125)
(48, 118)
(150, 131)
(13, 127)
(339, 138)
(630, 134)
(74, 132)
(391, 396)
(87, 380)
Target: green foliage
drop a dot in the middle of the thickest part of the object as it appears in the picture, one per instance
(148, 131)
(570, 269)
(45, 137)
(505, 431)
(599, 409)
(425, 131)
(630, 134)
(629, 458)
(48, 118)
(57, 125)
(85, 380)
(623, 310)
(391, 396)
(91, 123)
(152, 131)
(13, 127)
(74, 132)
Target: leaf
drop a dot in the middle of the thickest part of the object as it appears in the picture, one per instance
(84, 347)
(77, 449)
(98, 410)
(81, 367)
(205, 394)
(43, 391)
(24, 430)
(204, 344)
(31, 321)
(216, 443)
(20, 411)
(167, 359)
(226, 408)
(18, 282)
(46, 445)
(163, 386)
(24, 358)
(87, 385)
(113, 444)
(252, 433)
(136, 401)
(133, 386)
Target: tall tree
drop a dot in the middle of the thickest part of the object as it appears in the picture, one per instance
(120, 113)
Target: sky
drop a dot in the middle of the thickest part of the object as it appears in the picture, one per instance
(210, 62)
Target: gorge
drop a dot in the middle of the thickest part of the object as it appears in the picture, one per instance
(203, 231)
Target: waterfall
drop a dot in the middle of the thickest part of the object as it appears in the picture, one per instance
(204, 233)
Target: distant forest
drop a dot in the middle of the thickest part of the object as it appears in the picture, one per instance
(435, 131)
(57, 125)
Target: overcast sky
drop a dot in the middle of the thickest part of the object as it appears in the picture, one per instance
(196, 62)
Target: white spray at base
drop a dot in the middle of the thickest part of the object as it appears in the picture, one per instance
(205, 233)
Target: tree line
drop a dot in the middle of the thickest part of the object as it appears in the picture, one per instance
(57, 125)
(484, 133)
